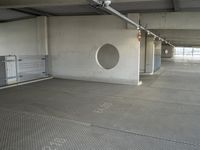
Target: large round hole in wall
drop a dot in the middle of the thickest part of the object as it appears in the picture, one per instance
(108, 56)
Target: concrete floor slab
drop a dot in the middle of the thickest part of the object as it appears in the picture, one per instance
(163, 113)
(30, 131)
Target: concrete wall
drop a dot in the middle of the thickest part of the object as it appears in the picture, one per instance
(170, 50)
(23, 37)
(74, 41)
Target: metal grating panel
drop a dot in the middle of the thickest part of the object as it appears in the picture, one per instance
(8, 70)
(31, 67)
(2, 71)
(11, 69)
(25, 131)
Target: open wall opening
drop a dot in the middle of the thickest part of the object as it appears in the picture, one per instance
(107, 56)
(187, 52)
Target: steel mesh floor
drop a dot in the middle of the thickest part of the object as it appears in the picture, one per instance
(162, 114)
(27, 131)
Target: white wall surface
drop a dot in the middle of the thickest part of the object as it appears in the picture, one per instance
(22, 37)
(74, 41)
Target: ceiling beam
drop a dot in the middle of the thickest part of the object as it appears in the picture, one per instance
(32, 11)
(35, 3)
(175, 5)
(22, 11)
(96, 8)
(106, 7)
(16, 19)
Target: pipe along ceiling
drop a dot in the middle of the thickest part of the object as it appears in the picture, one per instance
(105, 5)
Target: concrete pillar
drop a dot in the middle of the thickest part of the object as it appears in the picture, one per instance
(150, 53)
(42, 39)
(143, 52)
(157, 57)
(167, 51)
(42, 34)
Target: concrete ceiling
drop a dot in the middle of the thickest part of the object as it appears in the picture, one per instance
(181, 37)
(8, 14)
(19, 9)
(82, 7)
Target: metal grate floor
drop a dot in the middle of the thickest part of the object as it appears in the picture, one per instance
(28, 131)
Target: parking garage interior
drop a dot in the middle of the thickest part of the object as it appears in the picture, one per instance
(99, 75)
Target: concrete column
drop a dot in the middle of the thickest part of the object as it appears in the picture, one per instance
(167, 51)
(42, 35)
(143, 53)
(150, 53)
(157, 59)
